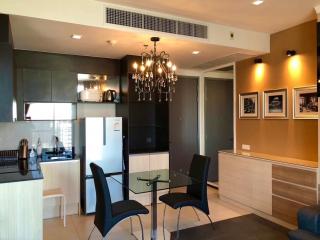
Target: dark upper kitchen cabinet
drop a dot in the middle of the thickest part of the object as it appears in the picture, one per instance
(64, 86)
(7, 83)
(49, 86)
(36, 85)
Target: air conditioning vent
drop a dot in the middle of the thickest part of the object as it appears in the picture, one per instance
(143, 21)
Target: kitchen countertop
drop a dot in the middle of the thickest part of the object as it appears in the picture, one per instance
(17, 173)
(273, 158)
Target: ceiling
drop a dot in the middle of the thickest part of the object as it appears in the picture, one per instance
(51, 36)
(270, 17)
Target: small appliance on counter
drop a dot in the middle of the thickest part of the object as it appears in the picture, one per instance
(23, 150)
(90, 87)
(109, 96)
(91, 95)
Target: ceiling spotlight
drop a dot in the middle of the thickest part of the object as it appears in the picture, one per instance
(257, 2)
(291, 53)
(258, 60)
(76, 36)
(196, 52)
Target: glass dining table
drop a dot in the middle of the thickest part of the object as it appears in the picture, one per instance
(153, 181)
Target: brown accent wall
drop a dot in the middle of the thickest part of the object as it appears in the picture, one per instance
(290, 138)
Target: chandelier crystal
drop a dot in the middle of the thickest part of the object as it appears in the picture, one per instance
(155, 75)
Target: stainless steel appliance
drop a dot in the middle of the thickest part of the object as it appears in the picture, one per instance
(102, 143)
(109, 95)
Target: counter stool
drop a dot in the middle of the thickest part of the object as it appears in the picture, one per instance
(57, 193)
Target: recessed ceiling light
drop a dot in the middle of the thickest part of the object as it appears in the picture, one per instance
(76, 36)
(195, 52)
(257, 2)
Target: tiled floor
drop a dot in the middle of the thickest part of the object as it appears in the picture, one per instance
(79, 227)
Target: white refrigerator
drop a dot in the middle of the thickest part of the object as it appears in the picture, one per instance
(102, 143)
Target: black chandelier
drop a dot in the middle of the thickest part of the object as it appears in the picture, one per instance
(156, 75)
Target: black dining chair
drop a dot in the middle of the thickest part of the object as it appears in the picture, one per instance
(196, 195)
(108, 214)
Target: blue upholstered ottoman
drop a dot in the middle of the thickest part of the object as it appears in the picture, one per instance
(308, 224)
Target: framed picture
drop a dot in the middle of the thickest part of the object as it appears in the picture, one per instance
(249, 105)
(275, 104)
(305, 103)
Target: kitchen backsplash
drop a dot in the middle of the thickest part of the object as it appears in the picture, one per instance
(66, 131)
(11, 133)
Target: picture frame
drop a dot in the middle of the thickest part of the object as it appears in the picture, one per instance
(275, 104)
(249, 105)
(305, 103)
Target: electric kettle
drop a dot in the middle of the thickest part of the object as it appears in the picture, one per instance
(109, 95)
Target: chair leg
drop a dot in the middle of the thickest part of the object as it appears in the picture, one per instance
(196, 213)
(210, 221)
(64, 211)
(164, 215)
(131, 231)
(178, 231)
(142, 233)
(61, 207)
(91, 232)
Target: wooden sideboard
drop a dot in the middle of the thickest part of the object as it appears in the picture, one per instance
(272, 185)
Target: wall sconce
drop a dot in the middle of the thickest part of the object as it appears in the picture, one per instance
(291, 53)
(257, 60)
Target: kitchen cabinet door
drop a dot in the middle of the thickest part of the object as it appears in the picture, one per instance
(64, 86)
(36, 85)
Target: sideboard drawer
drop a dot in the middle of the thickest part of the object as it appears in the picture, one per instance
(295, 175)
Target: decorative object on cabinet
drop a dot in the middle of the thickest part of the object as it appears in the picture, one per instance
(91, 87)
(155, 75)
(305, 103)
(275, 104)
(249, 105)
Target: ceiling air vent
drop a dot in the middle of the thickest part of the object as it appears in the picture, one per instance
(143, 21)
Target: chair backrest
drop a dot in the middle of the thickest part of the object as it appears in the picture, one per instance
(103, 215)
(199, 172)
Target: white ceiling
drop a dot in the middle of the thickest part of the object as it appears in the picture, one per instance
(270, 17)
(51, 36)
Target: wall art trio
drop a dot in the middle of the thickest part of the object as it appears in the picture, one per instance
(275, 104)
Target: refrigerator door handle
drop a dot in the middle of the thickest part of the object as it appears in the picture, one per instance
(104, 132)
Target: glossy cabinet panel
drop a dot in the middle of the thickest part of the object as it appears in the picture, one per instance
(64, 86)
(36, 85)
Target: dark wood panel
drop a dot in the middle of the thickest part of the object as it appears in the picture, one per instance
(5, 29)
(183, 124)
(297, 193)
(294, 175)
(36, 85)
(285, 210)
(64, 86)
(6, 83)
(219, 120)
(71, 63)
